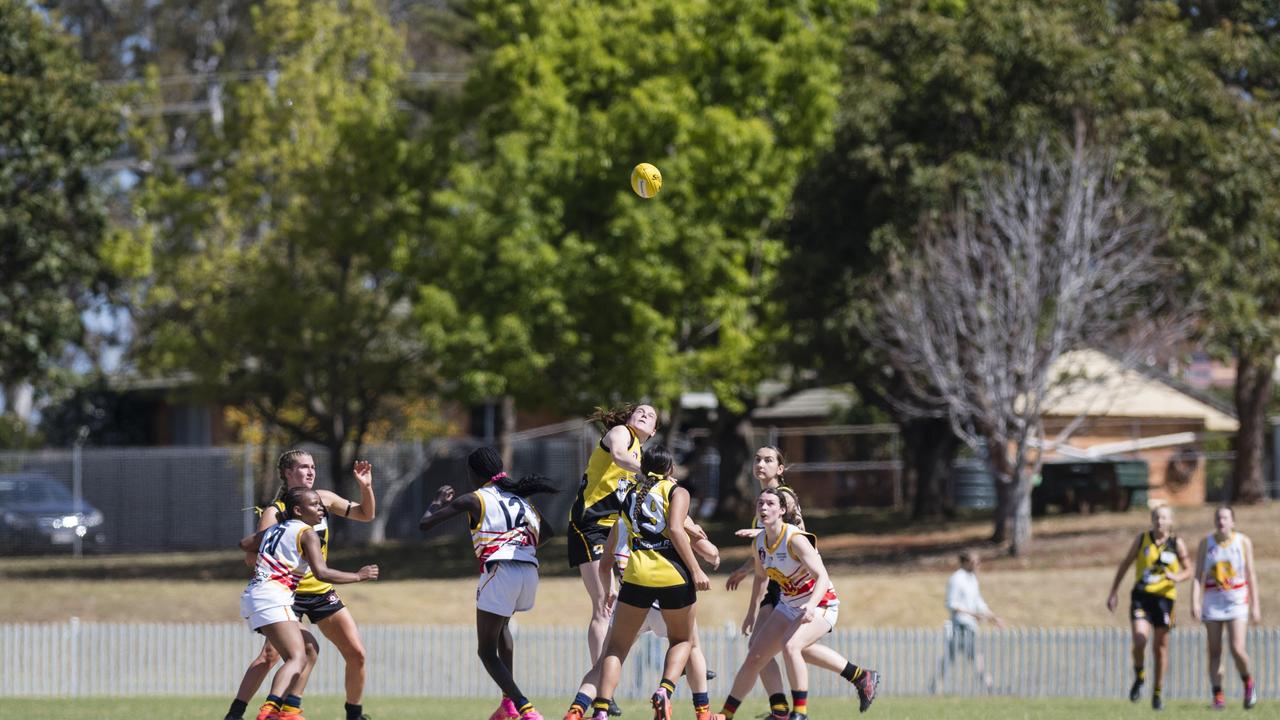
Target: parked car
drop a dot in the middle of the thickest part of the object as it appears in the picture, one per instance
(38, 513)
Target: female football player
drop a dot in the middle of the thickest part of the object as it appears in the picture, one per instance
(1225, 570)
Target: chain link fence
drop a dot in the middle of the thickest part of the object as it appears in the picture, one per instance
(119, 500)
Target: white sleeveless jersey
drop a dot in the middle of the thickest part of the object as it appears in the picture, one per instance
(795, 581)
(280, 565)
(507, 529)
(1226, 579)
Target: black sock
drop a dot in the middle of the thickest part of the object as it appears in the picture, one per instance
(353, 711)
(1217, 689)
(522, 704)
(667, 685)
(237, 708)
(778, 704)
(600, 704)
(851, 672)
(1140, 673)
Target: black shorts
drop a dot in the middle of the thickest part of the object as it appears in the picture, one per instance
(1154, 609)
(772, 595)
(586, 544)
(668, 598)
(317, 607)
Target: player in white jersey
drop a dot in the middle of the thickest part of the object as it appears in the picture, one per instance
(1226, 573)
(287, 551)
(506, 530)
(807, 610)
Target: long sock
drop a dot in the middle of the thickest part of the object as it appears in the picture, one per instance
(800, 701)
(237, 708)
(1156, 690)
(274, 700)
(731, 704)
(1217, 689)
(778, 704)
(701, 703)
(600, 705)
(668, 685)
(354, 711)
(851, 672)
(1140, 673)
(581, 701)
(522, 704)
(291, 704)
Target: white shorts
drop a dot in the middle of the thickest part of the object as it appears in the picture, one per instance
(1220, 607)
(827, 614)
(260, 614)
(507, 587)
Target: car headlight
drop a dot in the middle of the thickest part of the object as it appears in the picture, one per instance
(93, 519)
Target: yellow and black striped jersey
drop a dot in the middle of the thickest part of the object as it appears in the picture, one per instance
(602, 487)
(1152, 562)
(310, 585)
(654, 561)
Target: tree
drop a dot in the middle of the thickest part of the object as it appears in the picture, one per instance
(1054, 256)
(56, 127)
(561, 287)
(1210, 134)
(280, 250)
(935, 95)
(939, 92)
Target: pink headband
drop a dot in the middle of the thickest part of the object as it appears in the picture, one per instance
(499, 476)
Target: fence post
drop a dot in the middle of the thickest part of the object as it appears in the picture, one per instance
(247, 487)
(73, 643)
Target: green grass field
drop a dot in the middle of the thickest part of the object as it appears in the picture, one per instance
(329, 708)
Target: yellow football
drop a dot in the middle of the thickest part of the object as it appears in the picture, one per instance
(646, 181)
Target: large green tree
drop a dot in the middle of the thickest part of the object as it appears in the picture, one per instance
(56, 127)
(937, 93)
(279, 249)
(564, 288)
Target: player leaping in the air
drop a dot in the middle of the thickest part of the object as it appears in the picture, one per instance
(505, 531)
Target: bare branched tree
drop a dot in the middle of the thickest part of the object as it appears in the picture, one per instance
(1054, 255)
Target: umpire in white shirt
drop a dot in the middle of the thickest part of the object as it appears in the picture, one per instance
(967, 608)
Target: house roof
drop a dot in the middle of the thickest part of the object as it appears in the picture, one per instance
(1104, 388)
(811, 403)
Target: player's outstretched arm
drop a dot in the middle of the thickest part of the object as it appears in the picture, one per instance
(446, 507)
(363, 510)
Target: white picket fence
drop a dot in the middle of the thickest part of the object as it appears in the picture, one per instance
(114, 659)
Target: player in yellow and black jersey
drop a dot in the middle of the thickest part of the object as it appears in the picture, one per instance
(1160, 561)
(662, 570)
(315, 599)
(610, 471)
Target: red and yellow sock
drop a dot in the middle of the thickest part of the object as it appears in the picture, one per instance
(800, 701)
(731, 704)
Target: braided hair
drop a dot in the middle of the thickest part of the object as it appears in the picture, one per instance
(655, 465)
(293, 497)
(288, 460)
(486, 464)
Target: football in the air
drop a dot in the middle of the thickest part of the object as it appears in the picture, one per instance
(646, 181)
